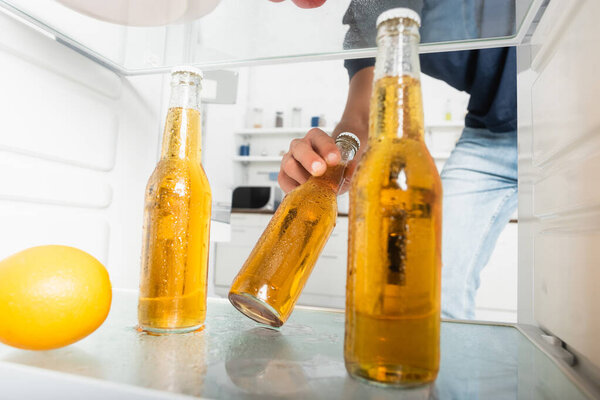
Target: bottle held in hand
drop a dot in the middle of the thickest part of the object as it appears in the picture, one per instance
(272, 278)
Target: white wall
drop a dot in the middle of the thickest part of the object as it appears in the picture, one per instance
(317, 87)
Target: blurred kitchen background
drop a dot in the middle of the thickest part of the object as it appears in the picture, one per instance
(244, 143)
(81, 182)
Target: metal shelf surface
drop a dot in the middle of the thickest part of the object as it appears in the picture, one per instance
(234, 357)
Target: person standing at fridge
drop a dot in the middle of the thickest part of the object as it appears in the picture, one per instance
(480, 177)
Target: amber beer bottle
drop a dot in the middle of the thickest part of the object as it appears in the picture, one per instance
(177, 219)
(271, 279)
(394, 252)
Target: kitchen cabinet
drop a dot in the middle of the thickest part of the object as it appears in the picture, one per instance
(496, 298)
(327, 284)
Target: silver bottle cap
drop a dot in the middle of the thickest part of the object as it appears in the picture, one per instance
(396, 13)
(189, 69)
(353, 138)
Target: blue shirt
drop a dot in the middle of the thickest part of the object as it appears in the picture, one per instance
(488, 75)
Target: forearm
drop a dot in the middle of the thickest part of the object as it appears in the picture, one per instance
(311, 155)
(355, 118)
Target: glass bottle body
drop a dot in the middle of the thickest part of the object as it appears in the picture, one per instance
(272, 278)
(394, 252)
(176, 232)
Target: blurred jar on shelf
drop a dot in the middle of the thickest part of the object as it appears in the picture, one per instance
(256, 117)
(296, 117)
(279, 119)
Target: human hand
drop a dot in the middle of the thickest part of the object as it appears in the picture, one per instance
(305, 3)
(298, 163)
(310, 156)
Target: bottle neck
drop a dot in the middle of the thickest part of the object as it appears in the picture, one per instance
(334, 176)
(397, 106)
(182, 136)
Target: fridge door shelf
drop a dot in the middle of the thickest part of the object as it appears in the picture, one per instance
(251, 32)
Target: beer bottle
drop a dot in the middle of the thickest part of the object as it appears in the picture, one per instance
(394, 247)
(177, 219)
(271, 279)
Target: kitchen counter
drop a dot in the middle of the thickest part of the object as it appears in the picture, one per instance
(235, 358)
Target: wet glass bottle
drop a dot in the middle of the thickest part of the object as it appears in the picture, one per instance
(394, 249)
(272, 278)
(177, 219)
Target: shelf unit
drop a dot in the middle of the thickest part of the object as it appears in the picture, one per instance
(248, 159)
(279, 131)
(268, 165)
(301, 131)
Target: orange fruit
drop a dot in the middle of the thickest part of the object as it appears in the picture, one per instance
(51, 296)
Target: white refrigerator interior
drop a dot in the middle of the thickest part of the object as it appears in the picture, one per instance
(559, 161)
(78, 144)
(83, 103)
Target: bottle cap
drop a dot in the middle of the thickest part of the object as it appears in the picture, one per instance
(351, 136)
(395, 13)
(187, 68)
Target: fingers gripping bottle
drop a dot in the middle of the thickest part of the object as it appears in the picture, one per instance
(271, 279)
(394, 246)
(177, 219)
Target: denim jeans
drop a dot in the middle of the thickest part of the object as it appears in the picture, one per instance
(480, 194)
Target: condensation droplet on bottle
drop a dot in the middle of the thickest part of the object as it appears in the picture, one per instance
(402, 180)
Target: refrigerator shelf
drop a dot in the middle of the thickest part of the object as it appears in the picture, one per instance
(233, 357)
(244, 33)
